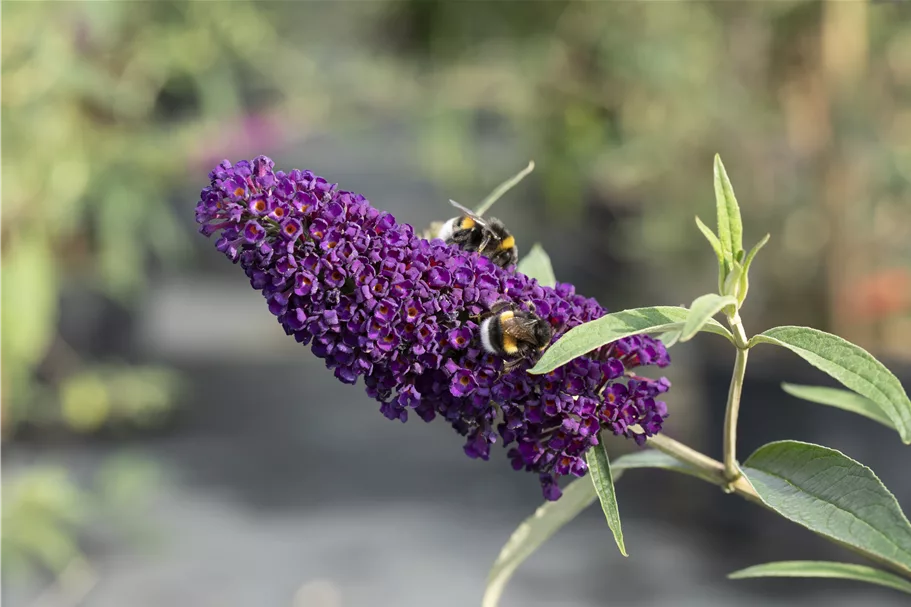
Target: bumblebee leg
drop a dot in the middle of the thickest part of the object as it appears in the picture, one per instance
(526, 353)
(485, 240)
(509, 365)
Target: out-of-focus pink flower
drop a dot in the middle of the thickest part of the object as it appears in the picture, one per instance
(879, 294)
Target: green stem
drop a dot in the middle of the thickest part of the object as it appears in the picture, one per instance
(731, 469)
(713, 471)
(709, 469)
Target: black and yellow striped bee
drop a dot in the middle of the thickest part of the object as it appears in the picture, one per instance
(489, 237)
(514, 334)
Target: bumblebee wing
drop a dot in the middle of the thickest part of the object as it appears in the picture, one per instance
(468, 212)
(460, 207)
(523, 330)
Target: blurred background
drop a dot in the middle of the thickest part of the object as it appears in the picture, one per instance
(164, 443)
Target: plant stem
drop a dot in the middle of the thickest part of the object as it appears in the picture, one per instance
(687, 455)
(709, 469)
(712, 471)
(731, 469)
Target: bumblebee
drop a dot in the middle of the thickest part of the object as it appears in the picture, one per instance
(489, 237)
(514, 334)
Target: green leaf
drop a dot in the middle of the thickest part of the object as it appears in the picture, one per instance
(713, 240)
(537, 265)
(599, 468)
(732, 282)
(609, 328)
(503, 188)
(756, 248)
(533, 532)
(823, 569)
(842, 399)
(702, 310)
(730, 227)
(851, 365)
(834, 496)
(716, 246)
(669, 338)
(745, 276)
(551, 516)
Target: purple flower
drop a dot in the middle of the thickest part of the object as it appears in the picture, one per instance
(258, 205)
(254, 232)
(459, 338)
(291, 229)
(463, 383)
(439, 277)
(376, 302)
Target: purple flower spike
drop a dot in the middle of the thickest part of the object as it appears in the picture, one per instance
(376, 302)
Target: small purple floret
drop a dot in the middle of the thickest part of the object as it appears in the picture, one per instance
(253, 232)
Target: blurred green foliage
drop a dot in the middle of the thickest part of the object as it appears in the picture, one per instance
(621, 103)
(108, 108)
(117, 395)
(44, 510)
(40, 513)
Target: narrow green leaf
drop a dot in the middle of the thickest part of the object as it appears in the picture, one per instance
(745, 276)
(669, 338)
(719, 253)
(832, 495)
(730, 227)
(551, 516)
(732, 282)
(842, 399)
(713, 240)
(756, 248)
(599, 468)
(533, 532)
(503, 188)
(537, 265)
(823, 569)
(701, 311)
(851, 365)
(609, 328)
